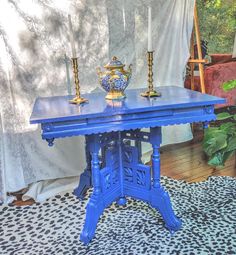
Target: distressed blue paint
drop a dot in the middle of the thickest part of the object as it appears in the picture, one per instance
(113, 163)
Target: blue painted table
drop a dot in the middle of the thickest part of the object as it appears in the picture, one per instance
(113, 135)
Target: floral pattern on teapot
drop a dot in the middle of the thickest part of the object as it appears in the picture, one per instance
(115, 79)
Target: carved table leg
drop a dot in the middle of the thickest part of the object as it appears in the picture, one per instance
(205, 124)
(85, 178)
(138, 145)
(160, 198)
(95, 205)
(94, 210)
(122, 200)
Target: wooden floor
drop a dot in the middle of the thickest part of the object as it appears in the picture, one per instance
(187, 162)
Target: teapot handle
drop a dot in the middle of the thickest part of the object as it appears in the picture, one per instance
(130, 69)
(99, 71)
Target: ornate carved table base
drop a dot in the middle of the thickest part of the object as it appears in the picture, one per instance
(120, 173)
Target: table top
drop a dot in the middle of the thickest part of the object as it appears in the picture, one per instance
(57, 108)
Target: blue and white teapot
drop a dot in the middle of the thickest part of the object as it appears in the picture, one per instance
(114, 79)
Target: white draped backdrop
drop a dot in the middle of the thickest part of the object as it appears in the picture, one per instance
(33, 42)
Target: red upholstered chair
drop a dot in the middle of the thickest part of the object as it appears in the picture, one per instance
(222, 69)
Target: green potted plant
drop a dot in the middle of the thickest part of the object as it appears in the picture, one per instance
(219, 143)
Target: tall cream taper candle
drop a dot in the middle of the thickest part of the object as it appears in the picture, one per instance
(72, 40)
(150, 29)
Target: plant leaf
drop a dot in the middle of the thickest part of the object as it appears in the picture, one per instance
(214, 140)
(229, 128)
(231, 144)
(234, 116)
(211, 131)
(227, 155)
(229, 85)
(216, 160)
(223, 116)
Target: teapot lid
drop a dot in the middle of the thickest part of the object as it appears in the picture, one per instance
(114, 63)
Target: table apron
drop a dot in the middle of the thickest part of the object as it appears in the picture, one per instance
(126, 122)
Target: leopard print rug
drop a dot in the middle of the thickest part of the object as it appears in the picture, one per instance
(207, 209)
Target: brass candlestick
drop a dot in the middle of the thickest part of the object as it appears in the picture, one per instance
(150, 92)
(77, 99)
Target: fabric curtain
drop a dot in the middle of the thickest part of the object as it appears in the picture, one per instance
(34, 45)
